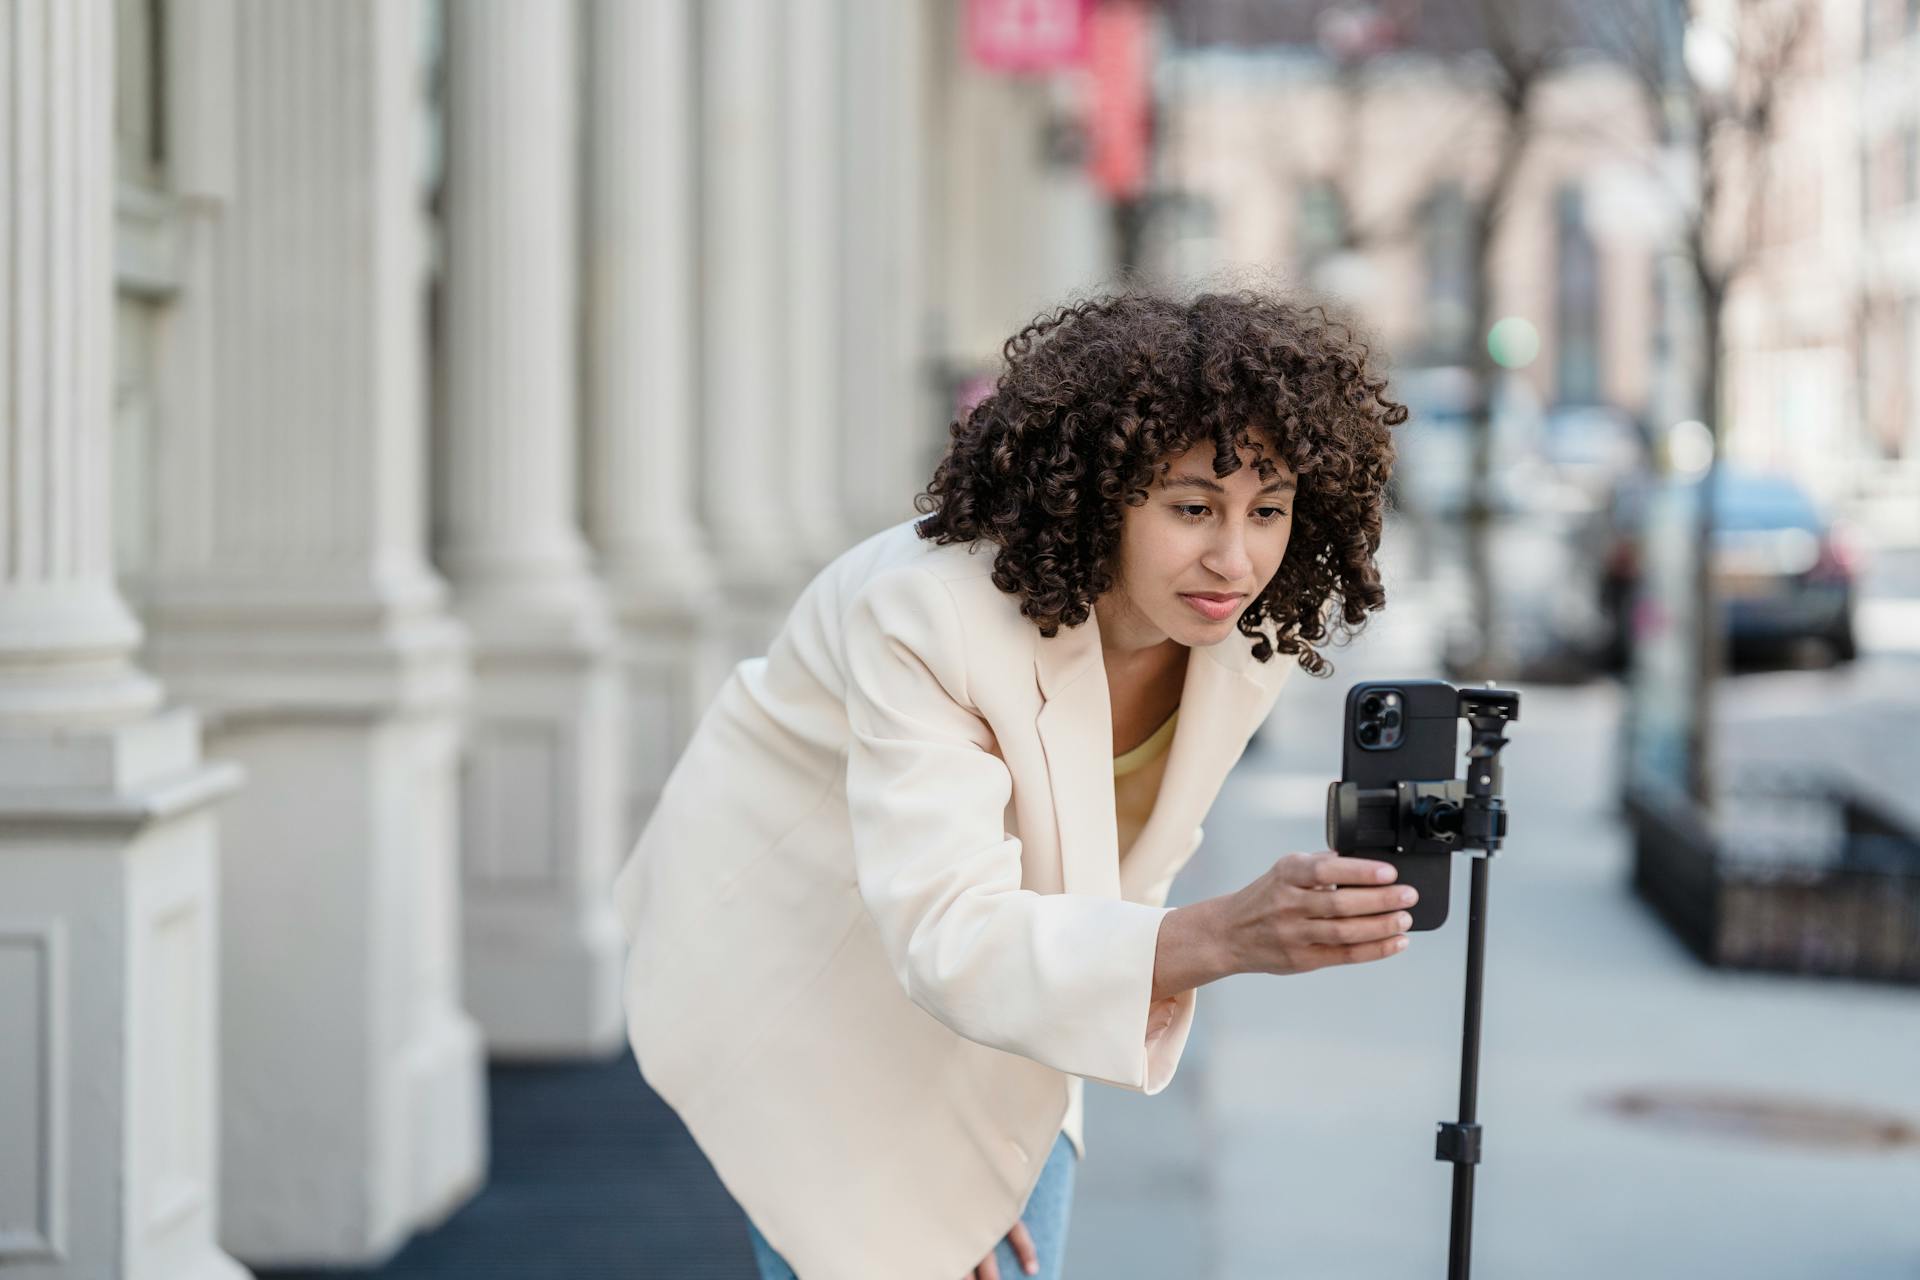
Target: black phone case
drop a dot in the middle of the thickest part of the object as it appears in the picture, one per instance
(1429, 751)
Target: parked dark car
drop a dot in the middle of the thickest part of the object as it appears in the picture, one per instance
(1783, 570)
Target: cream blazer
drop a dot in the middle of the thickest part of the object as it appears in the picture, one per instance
(877, 920)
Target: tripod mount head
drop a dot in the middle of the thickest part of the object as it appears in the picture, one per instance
(1466, 814)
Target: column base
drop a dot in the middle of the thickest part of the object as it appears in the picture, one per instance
(204, 1264)
(109, 948)
(353, 1112)
(543, 800)
(551, 997)
(443, 1074)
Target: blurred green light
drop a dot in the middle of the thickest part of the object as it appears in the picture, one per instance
(1513, 342)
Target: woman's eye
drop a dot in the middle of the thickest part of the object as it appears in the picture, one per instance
(1195, 512)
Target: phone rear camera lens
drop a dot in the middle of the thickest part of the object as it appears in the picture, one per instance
(1368, 734)
(1370, 705)
(1390, 718)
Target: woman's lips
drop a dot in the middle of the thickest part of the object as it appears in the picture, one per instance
(1214, 610)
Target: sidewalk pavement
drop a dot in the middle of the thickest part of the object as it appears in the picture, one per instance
(1297, 1139)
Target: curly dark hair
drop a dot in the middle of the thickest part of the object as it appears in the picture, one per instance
(1098, 395)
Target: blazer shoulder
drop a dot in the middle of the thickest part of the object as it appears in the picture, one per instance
(892, 560)
(939, 602)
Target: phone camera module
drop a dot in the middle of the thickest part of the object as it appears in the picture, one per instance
(1377, 717)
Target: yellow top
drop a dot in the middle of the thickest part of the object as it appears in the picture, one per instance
(1136, 782)
(1155, 744)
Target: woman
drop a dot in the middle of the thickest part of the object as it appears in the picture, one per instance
(904, 890)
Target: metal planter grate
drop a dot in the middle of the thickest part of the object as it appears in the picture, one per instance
(1788, 876)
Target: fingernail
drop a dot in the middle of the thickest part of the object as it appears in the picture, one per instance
(1384, 874)
(1033, 1268)
(1399, 944)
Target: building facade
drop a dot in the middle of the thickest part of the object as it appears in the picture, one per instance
(414, 410)
(1824, 331)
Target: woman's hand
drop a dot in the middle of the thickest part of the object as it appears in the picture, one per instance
(1022, 1249)
(1316, 909)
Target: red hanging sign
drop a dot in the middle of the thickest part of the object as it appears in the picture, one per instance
(1120, 102)
(1028, 35)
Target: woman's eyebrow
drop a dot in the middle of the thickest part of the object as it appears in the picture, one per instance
(1214, 486)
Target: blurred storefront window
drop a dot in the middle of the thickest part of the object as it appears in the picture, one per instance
(146, 265)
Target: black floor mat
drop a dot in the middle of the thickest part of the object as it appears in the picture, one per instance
(591, 1177)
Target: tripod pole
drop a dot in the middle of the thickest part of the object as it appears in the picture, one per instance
(1460, 1142)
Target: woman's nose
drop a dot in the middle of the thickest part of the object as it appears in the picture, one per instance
(1229, 558)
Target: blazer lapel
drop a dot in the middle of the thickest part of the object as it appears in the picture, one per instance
(1076, 733)
(1225, 694)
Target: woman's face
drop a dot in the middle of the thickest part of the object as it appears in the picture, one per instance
(1196, 553)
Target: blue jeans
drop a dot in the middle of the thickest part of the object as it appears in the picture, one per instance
(1045, 1214)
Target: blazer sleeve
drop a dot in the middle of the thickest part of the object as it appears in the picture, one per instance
(1063, 979)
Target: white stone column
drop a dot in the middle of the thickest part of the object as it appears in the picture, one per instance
(291, 599)
(545, 784)
(810, 156)
(746, 437)
(109, 923)
(642, 483)
(892, 426)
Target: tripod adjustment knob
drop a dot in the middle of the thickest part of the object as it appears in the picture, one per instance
(1458, 1143)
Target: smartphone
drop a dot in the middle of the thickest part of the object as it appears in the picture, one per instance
(1406, 731)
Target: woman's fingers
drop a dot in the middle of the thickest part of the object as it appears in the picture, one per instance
(989, 1268)
(1362, 952)
(1341, 933)
(1023, 1248)
(1358, 902)
(1354, 953)
(1326, 869)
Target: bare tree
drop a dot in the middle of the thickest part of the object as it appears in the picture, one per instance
(1715, 96)
(1526, 41)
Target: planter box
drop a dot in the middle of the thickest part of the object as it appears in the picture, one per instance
(1790, 876)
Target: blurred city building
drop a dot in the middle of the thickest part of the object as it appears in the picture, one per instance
(1824, 334)
(1343, 144)
(1359, 186)
(486, 378)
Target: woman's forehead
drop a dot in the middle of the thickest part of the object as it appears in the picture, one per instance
(1197, 461)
